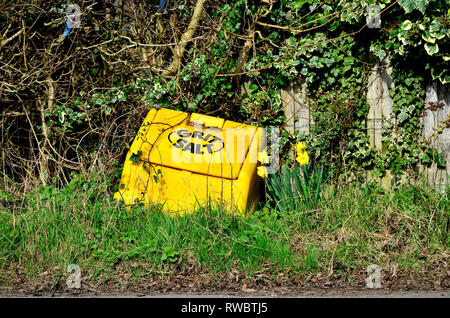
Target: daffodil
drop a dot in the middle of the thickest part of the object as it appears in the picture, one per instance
(302, 158)
(263, 157)
(300, 147)
(302, 154)
(262, 171)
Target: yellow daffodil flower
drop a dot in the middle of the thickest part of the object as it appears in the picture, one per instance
(262, 172)
(263, 157)
(302, 158)
(300, 147)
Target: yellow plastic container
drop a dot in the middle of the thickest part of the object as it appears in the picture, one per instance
(184, 161)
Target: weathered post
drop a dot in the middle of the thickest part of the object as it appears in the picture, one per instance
(380, 82)
(436, 131)
(296, 108)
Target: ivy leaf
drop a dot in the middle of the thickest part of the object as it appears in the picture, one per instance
(440, 161)
(431, 155)
(61, 117)
(406, 25)
(407, 5)
(402, 117)
(436, 72)
(445, 79)
(408, 81)
(299, 3)
(410, 5)
(402, 36)
(421, 5)
(427, 37)
(136, 157)
(107, 110)
(435, 25)
(439, 35)
(378, 51)
(431, 48)
(253, 87)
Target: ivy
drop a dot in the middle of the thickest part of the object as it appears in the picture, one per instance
(410, 5)
(136, 157)
(327, 46)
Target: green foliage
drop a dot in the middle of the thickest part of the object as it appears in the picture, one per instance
(323, 43)
(430, 155)
(292, 189)
(426, 33)
(169, 254)
(334, 65)
(348, 228)
(410, 5)
(136, 157)
(401, 149)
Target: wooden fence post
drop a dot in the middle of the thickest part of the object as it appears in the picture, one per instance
(296, 109)
(437, 113)
(379, 84)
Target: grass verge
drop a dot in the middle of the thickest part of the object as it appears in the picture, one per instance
(406, 231)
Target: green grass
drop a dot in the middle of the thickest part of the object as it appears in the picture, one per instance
(351, 227)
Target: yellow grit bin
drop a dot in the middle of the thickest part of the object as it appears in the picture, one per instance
(184, 161)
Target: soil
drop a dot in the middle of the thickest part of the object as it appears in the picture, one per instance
(234, 285)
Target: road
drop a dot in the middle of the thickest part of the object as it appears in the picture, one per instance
(281, 292)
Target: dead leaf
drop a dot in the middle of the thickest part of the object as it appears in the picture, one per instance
(247, 290)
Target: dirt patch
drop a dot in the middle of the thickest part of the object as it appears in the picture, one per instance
(233, 284)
